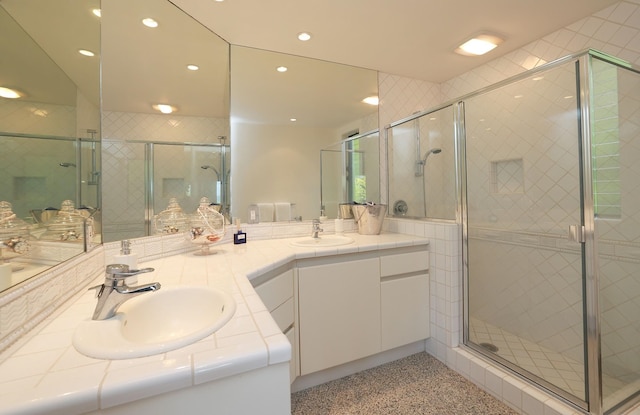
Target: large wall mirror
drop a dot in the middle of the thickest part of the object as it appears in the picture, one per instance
(151, 156)
(284, 110)
(49, 133)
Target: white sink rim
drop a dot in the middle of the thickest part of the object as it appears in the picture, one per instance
(106, 339)
(323, 241)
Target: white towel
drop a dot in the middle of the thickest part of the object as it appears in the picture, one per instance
(266, 212)
(283, 212)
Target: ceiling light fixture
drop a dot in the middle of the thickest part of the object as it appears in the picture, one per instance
(9, 93)
(164, 108)
(97, 12)
(149, 22)
(282, 69)
(86, 52)
(372, 100)
(193, 67)
(479, 45)
(304, 36)
(293, 119)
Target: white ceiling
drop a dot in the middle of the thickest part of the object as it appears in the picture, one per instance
(413, 38)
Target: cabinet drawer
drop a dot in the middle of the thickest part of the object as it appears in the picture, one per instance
(405, 310)
(277, 290)
(283, 315)
(397, 264)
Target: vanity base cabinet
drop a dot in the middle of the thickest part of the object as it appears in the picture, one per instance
(339, 313)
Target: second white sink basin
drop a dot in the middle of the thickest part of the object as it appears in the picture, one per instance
(156, 322)
(323, 241)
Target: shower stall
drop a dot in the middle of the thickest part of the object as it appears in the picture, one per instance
(544, 169)
(147, 174)
(550, 208)
(39, 172)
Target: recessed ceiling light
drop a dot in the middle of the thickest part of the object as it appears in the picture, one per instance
(538, 78)
(293, 119)
(304, 36)
(9, 93)
(479, 45)
(97, 12)
(373, 100)
(86, 52)
(149, 22)
(282, 69)
(164, 108)
(518, 96)
(193, 67)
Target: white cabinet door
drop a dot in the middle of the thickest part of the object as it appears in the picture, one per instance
(339, 313)
(405, 310)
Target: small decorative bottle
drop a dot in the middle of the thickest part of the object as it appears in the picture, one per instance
(239, 237)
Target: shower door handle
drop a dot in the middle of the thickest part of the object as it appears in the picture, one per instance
(576, 233)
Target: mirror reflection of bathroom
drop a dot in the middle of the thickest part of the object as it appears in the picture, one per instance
(350, 172)
(49, 132)
(422, 166)
(158, 153)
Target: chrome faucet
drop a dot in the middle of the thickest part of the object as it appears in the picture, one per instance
(114, 291)
(316, 228)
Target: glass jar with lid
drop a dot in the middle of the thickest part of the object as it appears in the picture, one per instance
(171, 220)
(68, 225)
(206, 226)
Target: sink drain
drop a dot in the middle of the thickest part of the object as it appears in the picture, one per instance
(490, 347)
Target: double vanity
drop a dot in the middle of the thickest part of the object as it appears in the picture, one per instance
(284, 312)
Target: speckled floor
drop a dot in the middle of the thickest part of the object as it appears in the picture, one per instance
(417, 384)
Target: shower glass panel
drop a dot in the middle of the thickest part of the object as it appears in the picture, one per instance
(615, 108)
(422, 166)
(525, 278)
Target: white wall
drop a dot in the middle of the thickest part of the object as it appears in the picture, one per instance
(271, 164)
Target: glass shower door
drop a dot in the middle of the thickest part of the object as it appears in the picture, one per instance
(524, 276)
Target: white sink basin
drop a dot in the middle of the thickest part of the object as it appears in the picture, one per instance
(156, 322)
(323, 241)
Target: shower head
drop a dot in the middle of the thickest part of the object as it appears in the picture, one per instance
(428, 153)
(207, 166)
(67, 164)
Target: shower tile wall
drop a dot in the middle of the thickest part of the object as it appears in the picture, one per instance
(172, 128)
(614, 30)
(399, 98)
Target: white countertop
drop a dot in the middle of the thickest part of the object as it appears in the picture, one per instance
(48, 376)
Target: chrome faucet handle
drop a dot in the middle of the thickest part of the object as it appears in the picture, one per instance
(121, 271)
